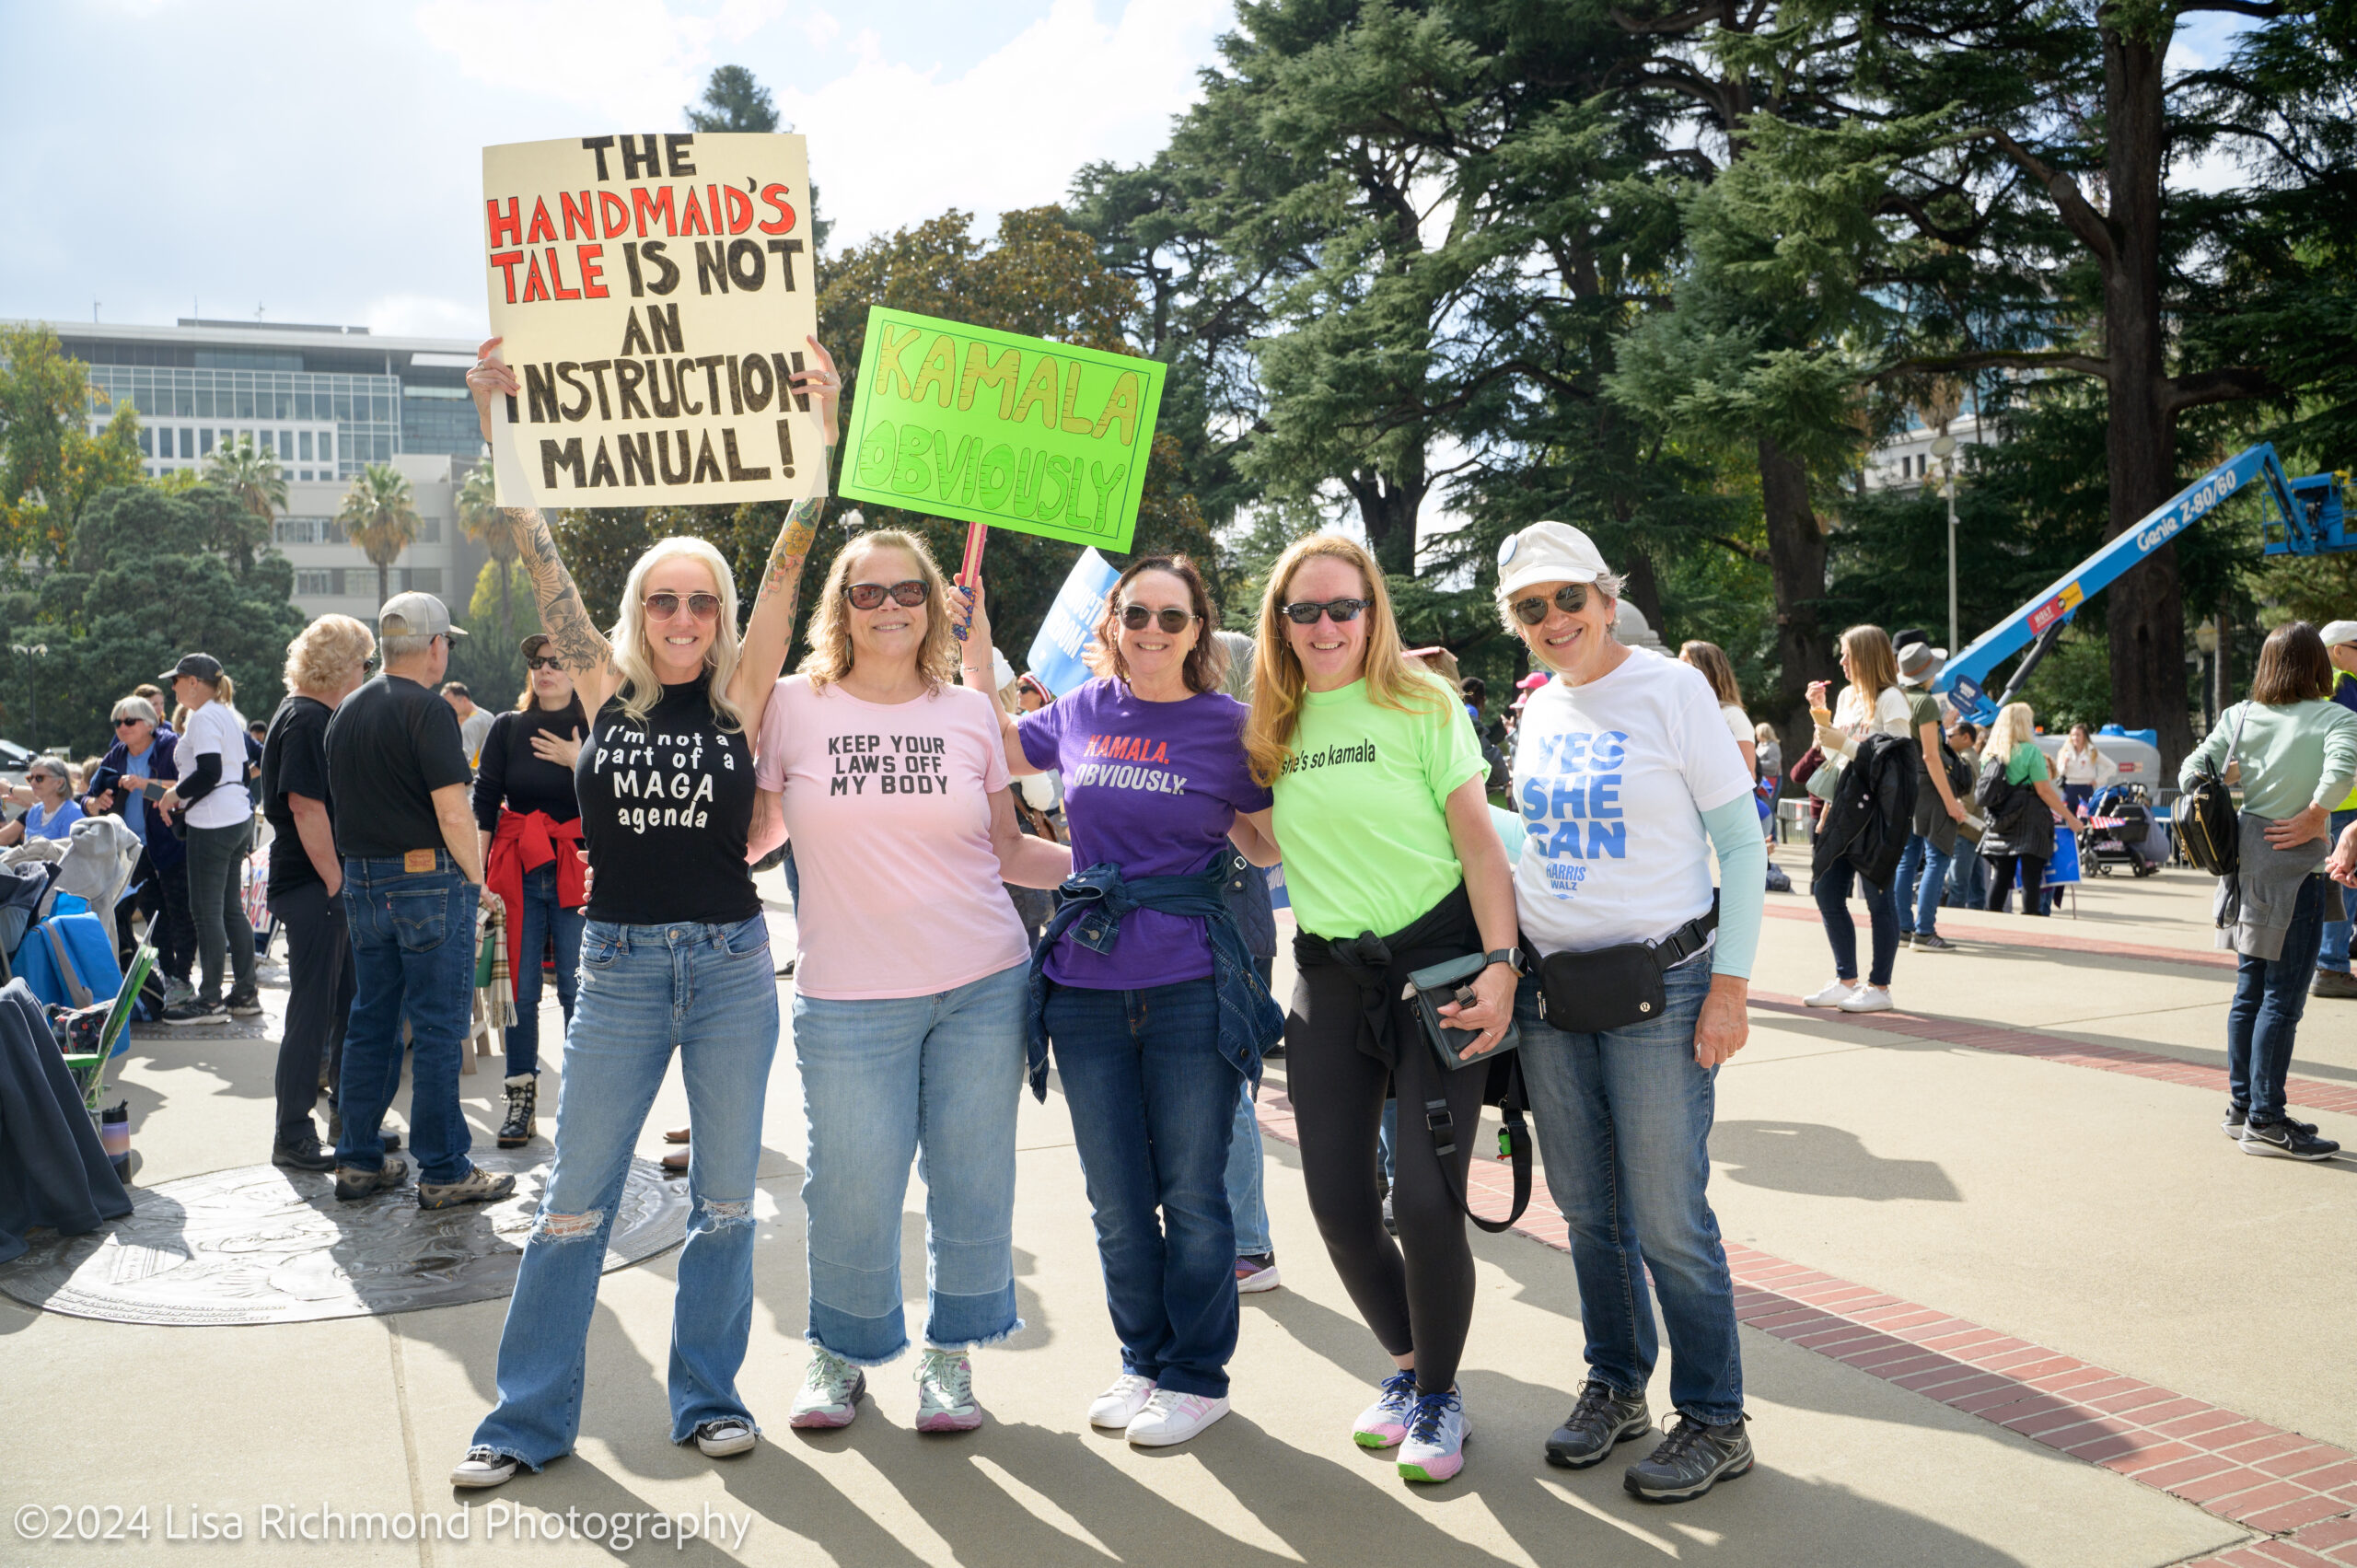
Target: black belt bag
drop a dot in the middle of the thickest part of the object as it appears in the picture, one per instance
(1615, 987)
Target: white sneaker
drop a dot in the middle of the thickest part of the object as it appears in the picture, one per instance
(1119, 1405)
(1832, 996)
(1867, 999)
(945, 1399)
(830, 1391)
(727, 1435)
(1435, 1448)
(1173, 1417)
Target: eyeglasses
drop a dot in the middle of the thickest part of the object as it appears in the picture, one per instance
(1341, 611)
(1137, 617)
(907, 594)
(125, 724)
(368, 666)
(664, 605)
(1570, 599)
(546, 661)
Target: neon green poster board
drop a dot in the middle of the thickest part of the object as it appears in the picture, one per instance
(996, 428)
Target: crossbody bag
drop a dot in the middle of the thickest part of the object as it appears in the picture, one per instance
(1612, 988)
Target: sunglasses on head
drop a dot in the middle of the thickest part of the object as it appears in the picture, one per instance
(542, 661)
(1570, 599)
(1341, 611)
(1137, 617)
(663, 605)
(907, 594)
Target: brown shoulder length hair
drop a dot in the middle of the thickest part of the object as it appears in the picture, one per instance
(1206, 661)
(2292, 666)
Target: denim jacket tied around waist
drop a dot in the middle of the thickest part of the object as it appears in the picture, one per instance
(1095, 902)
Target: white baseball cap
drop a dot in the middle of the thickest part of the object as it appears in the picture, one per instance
(2339, 633)
(1548, 552)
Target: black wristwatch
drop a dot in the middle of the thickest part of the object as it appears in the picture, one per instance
(1510, 957)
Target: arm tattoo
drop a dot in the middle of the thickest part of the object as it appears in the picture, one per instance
(791, 552)
(571, 635)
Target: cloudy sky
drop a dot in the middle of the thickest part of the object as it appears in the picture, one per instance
(320, 163)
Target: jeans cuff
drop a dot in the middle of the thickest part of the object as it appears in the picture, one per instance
(980, 1343)
(838, 1323)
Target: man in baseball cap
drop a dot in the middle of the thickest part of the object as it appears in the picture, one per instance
(2332, 977)
(406, 829)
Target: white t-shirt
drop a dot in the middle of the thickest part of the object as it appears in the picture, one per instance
(214, 729)
(1611, 779)
(1738, 724)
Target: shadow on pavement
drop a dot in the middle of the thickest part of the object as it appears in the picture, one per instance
(1826, 1162)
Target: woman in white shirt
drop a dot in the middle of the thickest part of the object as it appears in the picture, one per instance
(1870, 703)
(2079, 765)
(219, 814)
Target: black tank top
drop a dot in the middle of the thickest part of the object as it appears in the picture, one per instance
(666, 810)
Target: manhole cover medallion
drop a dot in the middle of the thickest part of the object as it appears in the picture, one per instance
(262, 1245)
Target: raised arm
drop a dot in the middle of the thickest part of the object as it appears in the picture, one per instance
(979, 669)
(771, 631)
(573, 637)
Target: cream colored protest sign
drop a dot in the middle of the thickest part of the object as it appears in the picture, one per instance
(655, 293)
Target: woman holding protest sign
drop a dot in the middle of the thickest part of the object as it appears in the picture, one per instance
(673, 955)
(1377, 778)
(1145, 983)
(909, 990)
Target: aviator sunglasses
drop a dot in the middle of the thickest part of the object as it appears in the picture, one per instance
(543, 661)
(1172, 621)
(663, 605)
(1570, 599)
(908, 593)
(1341, 611)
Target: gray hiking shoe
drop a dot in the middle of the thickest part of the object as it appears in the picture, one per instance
(478, 1186)
(351, 1183)
(1603, 1419)
(1693, 1459)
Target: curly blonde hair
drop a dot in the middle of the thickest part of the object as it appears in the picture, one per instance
(831, 654)
(321, 652)
(1277, 680)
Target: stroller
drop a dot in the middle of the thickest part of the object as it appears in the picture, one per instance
(2123, 830)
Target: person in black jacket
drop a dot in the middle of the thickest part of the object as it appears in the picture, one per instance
(130, 779)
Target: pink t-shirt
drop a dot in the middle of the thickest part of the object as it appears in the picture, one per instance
(888, 809)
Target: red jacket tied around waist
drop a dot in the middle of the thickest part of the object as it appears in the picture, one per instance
(526, 843)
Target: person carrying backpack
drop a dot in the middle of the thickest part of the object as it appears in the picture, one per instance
(2014, 781)
(1870, 705)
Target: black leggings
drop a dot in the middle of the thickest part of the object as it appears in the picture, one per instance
(2032, 868)
(1422, 1303)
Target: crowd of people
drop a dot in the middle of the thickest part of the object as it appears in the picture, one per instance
(1573, 955)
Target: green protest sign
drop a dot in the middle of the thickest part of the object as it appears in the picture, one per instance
(996, 428)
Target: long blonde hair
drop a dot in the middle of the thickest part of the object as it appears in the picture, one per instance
(1716, 668)
(641, 688)
(1874, 666)
(1277, 681)
(831, 654)
(2015, 723)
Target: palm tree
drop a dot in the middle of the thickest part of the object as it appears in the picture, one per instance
(379, 515)
(481, 519)
(254, 480)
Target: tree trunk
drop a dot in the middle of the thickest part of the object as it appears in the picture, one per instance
(1796, 566)
(1388, 509)
(384, 584)
(1641, 584)
(2145, 609)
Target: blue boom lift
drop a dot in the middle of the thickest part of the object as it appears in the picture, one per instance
(2303, 516)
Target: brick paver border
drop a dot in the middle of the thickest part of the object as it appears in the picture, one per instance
(2300, 1491)
(2309, 1094)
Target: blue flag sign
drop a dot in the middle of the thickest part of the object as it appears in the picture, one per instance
(1055, 655)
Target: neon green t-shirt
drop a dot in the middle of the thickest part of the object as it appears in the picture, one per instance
(1362, 809)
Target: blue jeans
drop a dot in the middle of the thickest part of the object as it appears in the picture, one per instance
(1245, 1201)
(2333, 954)
(707, 993)
(1153, 1107)
(2264, 1016)
(1832, 891)
(414, 954)
(541, 916)
(2076, 796)
(1967, 878)
(885, 1081)
(1917, 904)
(1625, 1126)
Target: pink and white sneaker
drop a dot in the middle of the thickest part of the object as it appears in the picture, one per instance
(945, 1392)
(1384, 1423)
(831, 1393)
(1434, 1448)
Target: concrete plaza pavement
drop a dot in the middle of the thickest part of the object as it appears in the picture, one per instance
(2038, 1223)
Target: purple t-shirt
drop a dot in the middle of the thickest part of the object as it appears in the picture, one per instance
(1151, 787)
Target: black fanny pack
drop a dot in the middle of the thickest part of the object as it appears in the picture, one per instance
(1615, 987)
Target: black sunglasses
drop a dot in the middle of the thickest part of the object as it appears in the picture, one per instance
(1341, 611)
(120, 723)
(907, 594)
(663, 605)
(1137, 617)
(1570, 599)
(543, 661)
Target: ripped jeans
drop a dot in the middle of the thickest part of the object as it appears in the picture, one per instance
(709, 992)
